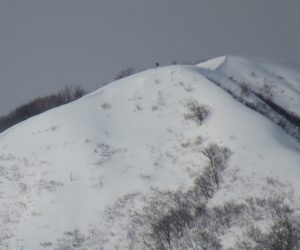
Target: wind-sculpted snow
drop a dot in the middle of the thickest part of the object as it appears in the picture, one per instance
(77, 176)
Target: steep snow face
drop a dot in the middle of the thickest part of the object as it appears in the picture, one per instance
(272, 89)
(279, 81)
(67, 169)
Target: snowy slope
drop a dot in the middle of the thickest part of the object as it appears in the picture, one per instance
(273, 89)
(76, 166)
(282, 79)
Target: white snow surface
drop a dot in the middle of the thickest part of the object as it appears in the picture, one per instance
(64, 169)
(212, 64)
(282, 80)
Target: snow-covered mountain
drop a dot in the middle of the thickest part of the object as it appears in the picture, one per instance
(272, 89)
(82, 175)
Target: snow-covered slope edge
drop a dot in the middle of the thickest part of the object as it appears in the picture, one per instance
(273, 89)
(72, 177)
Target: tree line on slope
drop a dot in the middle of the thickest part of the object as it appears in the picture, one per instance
(39, 105)
(42, 104)
(175, 220)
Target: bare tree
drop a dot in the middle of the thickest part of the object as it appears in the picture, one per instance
(124, 73)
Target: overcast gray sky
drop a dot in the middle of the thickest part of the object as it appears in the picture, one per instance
(47, 44)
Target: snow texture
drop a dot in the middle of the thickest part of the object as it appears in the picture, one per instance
(71, 177)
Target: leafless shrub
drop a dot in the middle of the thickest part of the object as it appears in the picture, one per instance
(164, 219)
(189, 88)
(154, 107)
(253, 239)
(198, 140)
(204, 240)
(197, 112)
(160, 102)
(266, 91)
(280, 77)
(160, 99)
(50, 185)
(71, 240)
(23, 188)
(217, 156)
(181, 220)
(208, 182)
(138, 107)
(245, 89)
(282, 123)
(283, 234)
(232, 78)
(279, 209)
(124, 73)
(253, 74)
(106, 152)
(106, 105)
(161, 232)
(226, 213)
(203, 186)
(46, 244)
(185, 220)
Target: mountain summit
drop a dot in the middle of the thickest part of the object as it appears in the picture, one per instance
(213, 147)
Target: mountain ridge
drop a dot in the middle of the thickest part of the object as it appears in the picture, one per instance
(87, 165)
